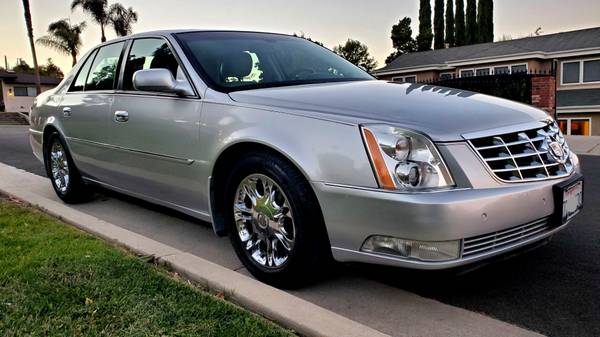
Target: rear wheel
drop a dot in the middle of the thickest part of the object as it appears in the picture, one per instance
(65, 178)
(275, 223)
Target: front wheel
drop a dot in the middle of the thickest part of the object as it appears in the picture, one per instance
(66, 180)
(275, 223)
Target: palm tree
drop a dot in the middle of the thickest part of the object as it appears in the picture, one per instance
(64, 38)
(97, 9)
(122, 19)
(31, 44)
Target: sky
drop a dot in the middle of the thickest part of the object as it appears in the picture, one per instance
(329, 21)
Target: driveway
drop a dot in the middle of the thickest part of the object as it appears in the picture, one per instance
(554, 290)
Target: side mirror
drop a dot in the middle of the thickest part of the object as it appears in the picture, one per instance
(160, 80)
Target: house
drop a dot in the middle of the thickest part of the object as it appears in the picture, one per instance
(17, 90)
(573, 92)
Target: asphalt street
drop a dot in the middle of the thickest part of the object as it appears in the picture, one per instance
(554, 290)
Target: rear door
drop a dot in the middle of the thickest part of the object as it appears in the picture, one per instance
(86, 107)
(155, 135)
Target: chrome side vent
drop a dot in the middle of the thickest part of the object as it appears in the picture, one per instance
(534, 154)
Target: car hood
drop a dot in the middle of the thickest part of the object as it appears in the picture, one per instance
(442, 113)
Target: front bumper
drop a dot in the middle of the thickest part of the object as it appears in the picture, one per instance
(352, 214)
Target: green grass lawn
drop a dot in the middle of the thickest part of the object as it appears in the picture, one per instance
(58, 281)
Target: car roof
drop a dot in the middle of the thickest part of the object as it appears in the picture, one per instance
(166, 32)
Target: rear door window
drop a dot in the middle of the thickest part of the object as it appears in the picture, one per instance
(103, 71)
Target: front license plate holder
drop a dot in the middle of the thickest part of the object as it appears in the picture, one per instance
(568, 200)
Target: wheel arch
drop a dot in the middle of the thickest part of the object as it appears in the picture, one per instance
(220, 171)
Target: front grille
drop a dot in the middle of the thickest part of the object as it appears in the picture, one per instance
(497, 240)
(534, 154)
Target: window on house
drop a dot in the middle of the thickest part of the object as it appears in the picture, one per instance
(570, 73)
(575, 126)
(591, 71)
(518, 69)
(446, 76)
(25, 91)
(563, 125)
(410, 79)
(501, 70)
(580, 127)
(467, 73)
(482, 72)
(398, 79)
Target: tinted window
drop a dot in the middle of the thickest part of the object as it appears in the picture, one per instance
(570, 72)
(148, 54)
(79, 82)
(235, 61)
(20, 91)
(591, 71)
(104, 68)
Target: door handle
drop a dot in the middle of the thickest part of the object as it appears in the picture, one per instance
(121, 116)
(66, 112)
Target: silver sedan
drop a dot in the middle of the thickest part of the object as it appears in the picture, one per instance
(301, 157)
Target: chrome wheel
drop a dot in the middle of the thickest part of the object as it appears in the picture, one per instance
(264, 221)
(59, 167)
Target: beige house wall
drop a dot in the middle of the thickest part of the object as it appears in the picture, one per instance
(19, 103)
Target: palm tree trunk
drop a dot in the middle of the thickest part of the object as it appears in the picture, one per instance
(32, 44)
(74, 58)
(103, 38)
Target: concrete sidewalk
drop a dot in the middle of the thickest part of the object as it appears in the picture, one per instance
(586, 145)
(343, 306)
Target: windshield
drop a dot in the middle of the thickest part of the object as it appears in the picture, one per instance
(237, 60)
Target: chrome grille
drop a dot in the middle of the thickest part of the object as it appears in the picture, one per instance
(497, 240)
(534, 154)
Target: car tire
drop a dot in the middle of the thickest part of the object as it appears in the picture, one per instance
(60, 168)
(294, 214)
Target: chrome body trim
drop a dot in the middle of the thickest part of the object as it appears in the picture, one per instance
(146, 153)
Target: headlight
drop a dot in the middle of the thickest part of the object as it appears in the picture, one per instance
(404, 160)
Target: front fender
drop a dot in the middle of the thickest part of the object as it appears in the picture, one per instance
(323, 151)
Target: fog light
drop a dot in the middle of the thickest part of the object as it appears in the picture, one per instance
(411, 249)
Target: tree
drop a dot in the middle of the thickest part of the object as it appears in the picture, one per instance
(97, 9)
(27, 12)
(357, 53)
(51, 69)
(471, 21)
(485, 20)
(122, 19)
(64, 38)
(309, 39)
(460, 28)
(438, 25)
(425, 32)
(23, 67)
(450, 39)
(402, 39)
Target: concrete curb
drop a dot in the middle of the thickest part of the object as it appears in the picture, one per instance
(290, 311)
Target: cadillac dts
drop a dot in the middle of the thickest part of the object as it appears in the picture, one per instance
(301, 157)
